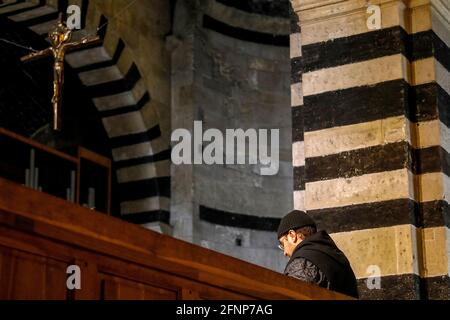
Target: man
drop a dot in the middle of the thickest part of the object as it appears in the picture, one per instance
(314, 257)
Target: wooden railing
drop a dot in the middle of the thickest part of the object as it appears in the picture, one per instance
(41, 235)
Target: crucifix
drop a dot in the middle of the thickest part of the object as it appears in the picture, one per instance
(60, 36)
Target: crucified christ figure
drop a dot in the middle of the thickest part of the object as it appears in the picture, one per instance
(60, 37)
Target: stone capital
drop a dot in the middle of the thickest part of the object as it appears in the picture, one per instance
(313, 10)
(301, 5)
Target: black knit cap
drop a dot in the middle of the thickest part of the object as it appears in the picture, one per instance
(294, 220)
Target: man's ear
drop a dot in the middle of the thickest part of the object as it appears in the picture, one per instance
(292, 235)
(296, 236)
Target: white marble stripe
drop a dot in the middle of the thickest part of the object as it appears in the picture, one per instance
(358, 74)
(446, 185)
(298, 154)
(296, 95)
(371, 72)
(87, 57)
(119, 100)
(357, 136)
(351, 24)
(376, 187)
(429, 134)
(442, 76)
(145, 205)
(392, 249)
(43, 28)
(31, 14)
(445, 136)
(296, 45)
(124, 124)
(369, 188)
(18, 6)
(144, 171)
(342, 19)
(99, 76)
(140, 150)
(369, 134)
(440, 17)
(299, 200)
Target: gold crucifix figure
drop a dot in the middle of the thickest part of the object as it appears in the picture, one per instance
(60, 37)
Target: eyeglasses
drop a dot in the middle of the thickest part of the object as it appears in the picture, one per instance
(281, 245)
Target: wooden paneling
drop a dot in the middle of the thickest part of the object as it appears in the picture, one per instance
(29, 276)
(41, 235)
(115, 288)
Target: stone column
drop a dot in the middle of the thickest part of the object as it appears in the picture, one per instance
(181, 44)
(372, 107)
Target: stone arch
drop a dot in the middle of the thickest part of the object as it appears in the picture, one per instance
(123, 101)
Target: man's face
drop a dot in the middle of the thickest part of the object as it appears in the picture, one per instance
(289, 242)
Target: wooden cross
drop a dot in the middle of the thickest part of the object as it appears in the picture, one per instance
(60, 36)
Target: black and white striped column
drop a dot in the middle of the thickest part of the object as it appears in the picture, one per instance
(375, 142)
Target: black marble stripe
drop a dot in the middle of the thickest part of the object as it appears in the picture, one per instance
(295, 21)
(109, 63)
(296, 70)
(123, 110)
(84, 11)
(383, 214)
(355, 105)
(422, 102)
(434, 214)
(243, 34)
(62, 5)
(432, 159)
(135, 138)
(148, 217)
(119, 50)
(372, 45)
(164, 155)
(441, 52)
(265, 7)
(420, 45)
(95, 66)
(376, 102)
(398, 287)
(299, 178)
(445, 161)
(127, 83)
(238, 220)
(443, 101)
(358, 162)
(435, 288)
(102, 27)
(367, 216)
(297, 124)
(352, 49)
(381, 158)
(138, 190)
(369, 103)
(85, 47)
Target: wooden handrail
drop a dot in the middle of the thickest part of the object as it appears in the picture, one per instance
(62, 222)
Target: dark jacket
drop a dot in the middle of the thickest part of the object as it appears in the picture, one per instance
(322, 252)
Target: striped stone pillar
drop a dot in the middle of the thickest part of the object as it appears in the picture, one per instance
(371, 121)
